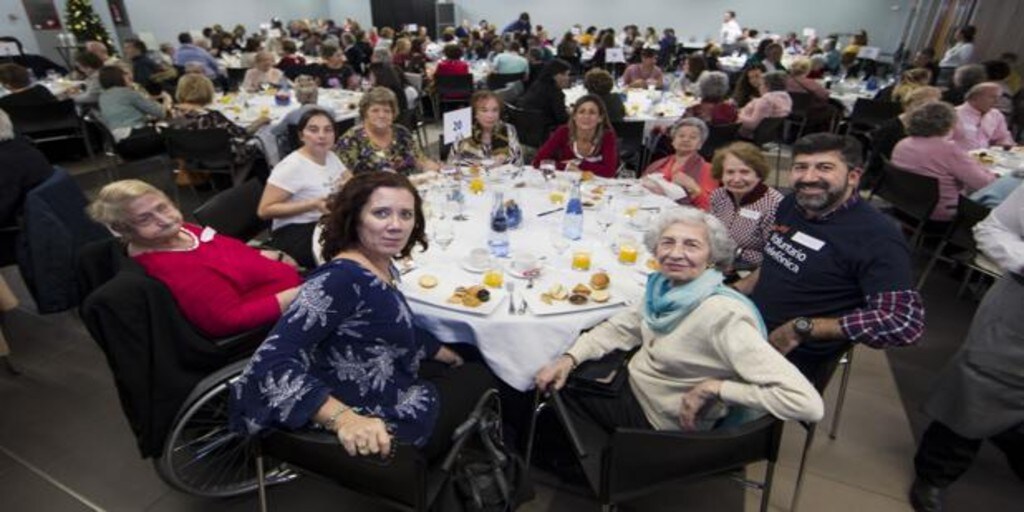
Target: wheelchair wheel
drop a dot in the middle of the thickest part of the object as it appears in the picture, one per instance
(202, 456)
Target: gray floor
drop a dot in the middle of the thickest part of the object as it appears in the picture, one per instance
(65, 445)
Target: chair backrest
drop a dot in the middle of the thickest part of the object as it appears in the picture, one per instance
(719, 135)
(873, 112)
(155, 170)
(769, 130)
(235, 77)
(340, 127)
(449, 84)
(232, 212)
(55, 229)
(630, 135)
(201, 147)
(530, 125)
(511, 92)
(30, 120)
(500, 80)
(909, 193)
(801, 103)
(961, 230)
(415, 80)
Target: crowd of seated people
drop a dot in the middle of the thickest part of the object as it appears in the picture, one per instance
(724, 355)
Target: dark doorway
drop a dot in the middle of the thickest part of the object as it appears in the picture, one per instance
(399, 13)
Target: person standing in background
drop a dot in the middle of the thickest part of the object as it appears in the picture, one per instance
(730, 32)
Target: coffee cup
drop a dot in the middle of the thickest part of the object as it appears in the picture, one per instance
(479, 258)
(523, 262)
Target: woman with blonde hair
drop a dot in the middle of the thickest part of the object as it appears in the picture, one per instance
(194, 93)
(378, 144)
(911, 79)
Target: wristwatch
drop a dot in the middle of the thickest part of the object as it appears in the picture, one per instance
(803, 327)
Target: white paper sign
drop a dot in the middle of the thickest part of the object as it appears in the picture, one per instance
(868, 52)
(412, 28)
(9, 50)
(810, 32)
(274, 33)
(575, 31)
(458, 124)
(614, 55)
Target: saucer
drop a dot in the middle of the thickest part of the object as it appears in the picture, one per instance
(470, 267)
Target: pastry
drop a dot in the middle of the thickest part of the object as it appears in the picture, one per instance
(428, 281)
(577, 299)
(558, 292)
(581, 289)
(471, 301)
(600, 296)
(599, 281)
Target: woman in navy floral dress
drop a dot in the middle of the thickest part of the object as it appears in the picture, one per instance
(346, 355)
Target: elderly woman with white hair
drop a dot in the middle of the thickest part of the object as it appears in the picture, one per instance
(715, 106)
(701, 346)
(684, 176)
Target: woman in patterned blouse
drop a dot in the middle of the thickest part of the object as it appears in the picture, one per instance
(492, 139)
(346, 355)
(379, 144)
(744, 203)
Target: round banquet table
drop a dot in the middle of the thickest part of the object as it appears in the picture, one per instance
(515, 346)
(243, 108)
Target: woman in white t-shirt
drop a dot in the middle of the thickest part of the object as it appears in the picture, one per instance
(296, 193)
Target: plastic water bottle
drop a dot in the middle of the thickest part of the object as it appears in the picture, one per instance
(572, 222)
(497, 240)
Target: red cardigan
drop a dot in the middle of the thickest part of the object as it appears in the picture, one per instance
(558, 147)
(707, 182)
(223, 287)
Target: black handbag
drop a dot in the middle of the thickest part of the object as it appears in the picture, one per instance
(605, 376)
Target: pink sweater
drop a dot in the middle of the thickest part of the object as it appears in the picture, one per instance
(941, 158)
(771, 104)
(223, 287)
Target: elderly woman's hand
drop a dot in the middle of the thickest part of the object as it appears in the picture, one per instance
(688, 183)
(448, 356)
(693, 402)
(784, 338)
(363, 435)
(554, 375)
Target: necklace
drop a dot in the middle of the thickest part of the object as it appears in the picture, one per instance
(193, 244)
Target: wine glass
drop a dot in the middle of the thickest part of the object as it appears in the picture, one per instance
(547, 167)
(557, 239)
(606, 216)
(444, 234)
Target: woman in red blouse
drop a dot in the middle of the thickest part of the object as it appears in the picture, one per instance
(685, 168)
(222, 286)
(586, 143)
(452, 64)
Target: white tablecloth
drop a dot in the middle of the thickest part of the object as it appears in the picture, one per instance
(244, 108)
(515, 347)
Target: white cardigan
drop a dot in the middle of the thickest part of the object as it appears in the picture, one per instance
(717, 340)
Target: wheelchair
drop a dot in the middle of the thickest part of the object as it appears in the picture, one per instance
(173, 383)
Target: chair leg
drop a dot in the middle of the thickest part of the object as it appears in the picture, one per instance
(766, 490)
(847, 363)
(808, 441)
(930, 265)
(538, 406)
(968, 273)
(261, 479)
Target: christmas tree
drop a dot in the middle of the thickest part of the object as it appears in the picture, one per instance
(85, 24)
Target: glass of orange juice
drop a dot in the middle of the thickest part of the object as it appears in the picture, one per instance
(494, 278)
(557, 193)
(627, 253)
(631, 208)
(476, 185)
(581, 260)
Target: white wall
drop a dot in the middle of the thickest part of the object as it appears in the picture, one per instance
(165, 19)
(702, 18)
(358, 10)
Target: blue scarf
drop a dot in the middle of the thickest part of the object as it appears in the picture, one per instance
(665, 304)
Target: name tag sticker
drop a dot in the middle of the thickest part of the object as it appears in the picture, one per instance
(808, 241)
(750, 214)
(207, 234)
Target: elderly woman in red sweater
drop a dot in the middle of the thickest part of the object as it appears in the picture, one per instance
(586, 143)
(222, 286)
(684, 175)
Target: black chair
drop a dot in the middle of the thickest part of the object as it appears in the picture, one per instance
(912, 198)
(869, 114)
(511, 92)
(235, 78)
(530, 125)
(50, 122)
(799, 114)
(451, 90)
(771, 131)
(497, 81)
(631, 144)
(204, 151)
(232, 212)
(155, 170)
(719, 135)
(631, 462)
(960, 238)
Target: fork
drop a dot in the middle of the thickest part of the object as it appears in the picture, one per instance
(511, 288)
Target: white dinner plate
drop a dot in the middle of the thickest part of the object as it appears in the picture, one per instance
(470, 267)
(617, 290)
(438, 295)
